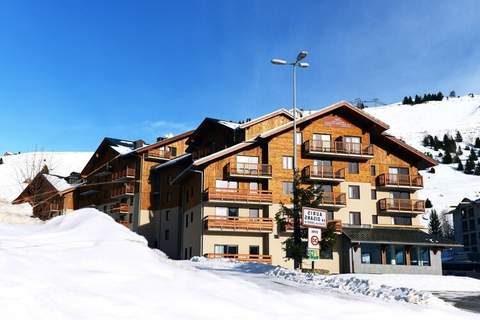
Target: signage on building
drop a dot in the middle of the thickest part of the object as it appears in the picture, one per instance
(314, 237)
(316, 218)
(335, 121)
(313, 254)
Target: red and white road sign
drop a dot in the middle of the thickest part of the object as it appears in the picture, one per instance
(314, 237)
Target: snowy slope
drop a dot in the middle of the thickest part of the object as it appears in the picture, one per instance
(447, 186)
(85, 266)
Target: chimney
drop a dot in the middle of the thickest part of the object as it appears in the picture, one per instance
(138, 144)
(160, 139)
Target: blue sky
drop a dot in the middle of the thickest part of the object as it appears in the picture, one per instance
(72, 72)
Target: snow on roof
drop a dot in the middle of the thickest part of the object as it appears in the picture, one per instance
(231, 125)
(122, 149)
(172, 161)
(57, 182)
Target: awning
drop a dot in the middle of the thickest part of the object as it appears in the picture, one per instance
(396, 236)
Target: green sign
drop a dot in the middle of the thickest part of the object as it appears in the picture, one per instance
(313, 254)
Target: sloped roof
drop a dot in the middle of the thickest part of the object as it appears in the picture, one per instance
(58, 182)
(266, 117)
(396, 236)
(165, 141)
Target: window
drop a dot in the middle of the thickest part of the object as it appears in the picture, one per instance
(355, 218)
(225, 249)
(470, 212)
(322, 142)
(253, 185)
(472, 225)
(465, 225)
(287, 188)
(402, 220)
(473, 239)
(353, 168)
(167, 234)
(190, 251)
(373, 170)
(396, 254)
(173, 151)
(326, 253)
(221, 211)
(330, 215)
(374, 219)
(419, 256)
(466, 240)
(186, 221)
(371, 253)
(247, 164)
(354, 192)
(223, 184)
(167, 215)
(373, 194)
(185, 253)
(253, 213)
(287, 162)
(352, 144)
(254, 250)
(233, 212)
(298, 138)
(191, 217)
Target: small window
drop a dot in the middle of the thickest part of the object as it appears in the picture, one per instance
(254, 213)
(354, 192)
(167, 234)
(287, 162)
(167, 215)
(186, 221)
(299, 138)
(353, 168)
(233, 212)
(185, 253)
(173, 151)
(190, 251)
(373, 170)
(330, 215)
(287, 188)
(355, 218)
(254, 250)
(402, 220)
(374, 194)
(374, 219)
(191, 217)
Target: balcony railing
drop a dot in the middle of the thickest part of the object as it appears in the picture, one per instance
(249, 170)
(126, 173)
(225, 223)
(339, 148)
(124, 223)
(158, 154)
(400, 181)
(238, 195)
(120, 208)
(127, 189)
(241, 257)
(401, 205)
(323, 173)
(54, 207)
(333, 199)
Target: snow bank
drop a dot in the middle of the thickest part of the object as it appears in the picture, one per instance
(83, 265)
(354, 285)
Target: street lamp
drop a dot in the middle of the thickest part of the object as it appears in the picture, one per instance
(297, 238)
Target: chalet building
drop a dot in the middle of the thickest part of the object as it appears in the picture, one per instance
(466, 225)
(117, 179)
(50, 195)
(220, 198)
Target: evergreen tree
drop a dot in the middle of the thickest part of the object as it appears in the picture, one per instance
(428, 141)
(473, 156)
(428, 204)
(439, 96)
(477, 169)
(469, 166)
(434, 226)
(447, 230)
(456, 159)
(449, 144)
(452, 94)
(466, 148)
(477, 142)
(437, 144)
(458, 137)
(405, 100)
(460, 166)
(417, 100)
(431, 170)
(447, 158)
(459, 151)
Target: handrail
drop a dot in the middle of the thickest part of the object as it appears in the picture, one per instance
(412, 205)
(333, 198)
(126, 188)
(240, 195)
(400, 180)
(340, 147)
(325, 172)
(241, 257)
(238, 223)
(127, 172)
(120, 208)
(158, 153)
(249, 169)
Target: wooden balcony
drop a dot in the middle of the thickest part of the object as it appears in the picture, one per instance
(323, 173)
(124, 223)
(412, 206)
(241, 224)
(400, 181)
(126, 173)
(54, 207)
(120, 208)
(157, 154)
(262, 258)
(126, 189)
(248, 170)
(338, 149)
(227, 195)
(333, 200)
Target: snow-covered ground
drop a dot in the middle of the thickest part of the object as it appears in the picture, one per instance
(447, 187)
(85, 266)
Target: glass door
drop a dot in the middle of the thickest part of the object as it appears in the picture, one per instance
(352, 144)
(322, 141)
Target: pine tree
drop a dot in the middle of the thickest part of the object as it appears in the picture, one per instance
(417, 100)
(459, 151)
(460, 166)
(437, 144)
(458, 137)
(410, 100)
(473, 156)
(452, 94)
(477, 169)
(428, 204)
(477, 142)
(447, 230)
(447, 158)
(405, 100)
(431, 170)
(456, 159)
(434, 226)
(439, 96)
(469, 166)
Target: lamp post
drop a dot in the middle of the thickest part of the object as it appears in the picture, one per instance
(296, 216)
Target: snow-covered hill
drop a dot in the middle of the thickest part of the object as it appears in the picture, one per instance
(447, 186)
(15, 168)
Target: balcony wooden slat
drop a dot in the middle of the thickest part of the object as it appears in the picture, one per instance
(242, 257)
(126, 189)
(120, 208)
(126, 173)
(159, 154)
(333, 199)
(251, 170)
(339, 148)
(238, 223)
(320, 172)
(400, 180)
(238, 195)
(402, 205)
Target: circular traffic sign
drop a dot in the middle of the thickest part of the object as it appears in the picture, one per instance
(314, 240)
